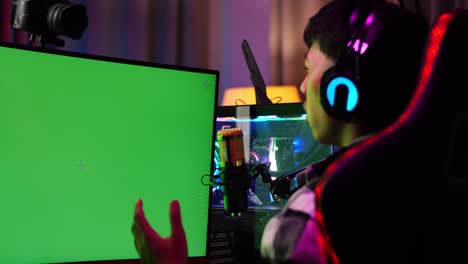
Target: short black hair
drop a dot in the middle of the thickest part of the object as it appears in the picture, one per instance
(329, 28)
(390, 67)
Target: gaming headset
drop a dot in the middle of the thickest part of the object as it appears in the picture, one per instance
(341, 90)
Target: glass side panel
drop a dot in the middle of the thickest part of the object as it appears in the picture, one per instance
(286, 142)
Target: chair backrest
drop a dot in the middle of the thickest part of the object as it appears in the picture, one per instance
(385, 200)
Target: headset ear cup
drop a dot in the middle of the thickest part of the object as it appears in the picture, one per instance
(327, 76)
(340, 94)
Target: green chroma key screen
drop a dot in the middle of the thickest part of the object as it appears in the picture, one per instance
(83, 137)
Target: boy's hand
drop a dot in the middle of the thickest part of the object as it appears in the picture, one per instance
(151, 247)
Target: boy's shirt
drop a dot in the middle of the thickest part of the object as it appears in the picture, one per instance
(293, 235)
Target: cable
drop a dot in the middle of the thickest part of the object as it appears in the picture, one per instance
(240, 100)
(212, 177)
(206, 184)
(279, 99)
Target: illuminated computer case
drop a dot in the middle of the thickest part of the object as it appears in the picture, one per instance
(277, 134)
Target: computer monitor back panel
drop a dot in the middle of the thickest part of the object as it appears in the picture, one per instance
(83, 137)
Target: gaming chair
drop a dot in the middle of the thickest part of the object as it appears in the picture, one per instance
(385, 200)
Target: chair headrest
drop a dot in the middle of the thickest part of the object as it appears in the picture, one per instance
(441, 89)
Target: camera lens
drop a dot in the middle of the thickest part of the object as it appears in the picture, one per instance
(68, 20)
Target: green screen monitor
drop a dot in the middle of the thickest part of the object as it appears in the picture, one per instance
(83, 137)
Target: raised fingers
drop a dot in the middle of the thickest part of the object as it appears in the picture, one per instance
(142, 222)
(176, 222)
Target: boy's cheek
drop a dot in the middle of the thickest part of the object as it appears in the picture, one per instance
(304, 85)
(313, 89)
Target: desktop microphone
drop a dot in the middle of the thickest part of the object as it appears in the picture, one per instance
(234, 172)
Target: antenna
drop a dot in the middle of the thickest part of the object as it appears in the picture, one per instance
(255, 75)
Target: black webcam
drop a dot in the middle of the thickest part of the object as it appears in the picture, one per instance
(47, 19)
